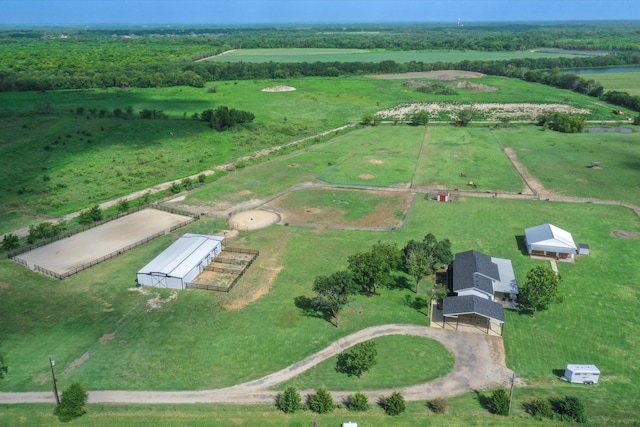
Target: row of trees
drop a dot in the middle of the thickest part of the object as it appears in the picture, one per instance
(196, 74)
(290, 401)
(222, 118)
(367, 270)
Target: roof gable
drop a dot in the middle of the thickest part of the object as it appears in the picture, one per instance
(474, 270)
(550, 236)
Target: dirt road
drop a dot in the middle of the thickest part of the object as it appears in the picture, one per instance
(479, 365)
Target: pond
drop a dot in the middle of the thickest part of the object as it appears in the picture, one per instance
(601, 70)
(613, 130)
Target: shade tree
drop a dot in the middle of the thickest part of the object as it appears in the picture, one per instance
(333, 292)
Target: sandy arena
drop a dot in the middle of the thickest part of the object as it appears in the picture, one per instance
(253, 219)
(83, 248)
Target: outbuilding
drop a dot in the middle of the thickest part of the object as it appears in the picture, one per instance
(550, 241)
(180, 263)
(582, 374)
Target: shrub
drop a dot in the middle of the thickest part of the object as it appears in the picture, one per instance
(357, 360)
(123, 205)
(72, 404)
(9, 242)
(358, 402)
(289, 400)
(202, 178)
(394, 404)
(175, 188)
(539, 408)
(439, 405)
(573, 408)
(321, 402)
(498, 402)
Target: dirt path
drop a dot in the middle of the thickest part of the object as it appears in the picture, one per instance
(532, 182)
(479, 365)
(214, 56)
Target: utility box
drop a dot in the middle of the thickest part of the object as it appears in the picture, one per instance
(582, 374)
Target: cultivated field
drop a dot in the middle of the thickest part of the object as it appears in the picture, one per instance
(362, 55)
(626, 82)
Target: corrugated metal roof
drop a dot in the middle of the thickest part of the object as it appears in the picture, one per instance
(550, 238)
(184, 254)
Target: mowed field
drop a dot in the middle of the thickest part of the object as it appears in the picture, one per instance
(625, 82)
(109, 338)
(363, 55)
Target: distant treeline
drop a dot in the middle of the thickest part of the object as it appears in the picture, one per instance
(542, 70)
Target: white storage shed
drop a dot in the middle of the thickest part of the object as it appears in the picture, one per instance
(181, 262)
(582, 374)
(549, 240)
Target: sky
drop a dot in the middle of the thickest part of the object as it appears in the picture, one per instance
(224, 12)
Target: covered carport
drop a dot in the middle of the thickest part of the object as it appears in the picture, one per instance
(472, 310)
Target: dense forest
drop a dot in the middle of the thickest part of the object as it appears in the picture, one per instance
(56, 58)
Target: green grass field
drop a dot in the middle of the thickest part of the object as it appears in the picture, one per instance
(75, 162)
(100, 331)
(625, 82)
(401, 361)
(362, 55)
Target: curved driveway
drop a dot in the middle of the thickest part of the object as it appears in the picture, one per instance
(479, 365)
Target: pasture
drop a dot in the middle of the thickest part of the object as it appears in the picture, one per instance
(365, 55)
(104, 333)
(625, 82)
(76, 159)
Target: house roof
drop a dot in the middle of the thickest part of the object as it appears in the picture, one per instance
(184, 254)
(472, 304)
(474, 270)
(548, 237)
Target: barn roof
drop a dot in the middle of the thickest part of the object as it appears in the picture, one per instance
(550, 238)
(474, 270)
(472, 304)
(184, 254)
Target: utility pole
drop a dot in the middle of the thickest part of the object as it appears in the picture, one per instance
(52, 363)
(513, 381)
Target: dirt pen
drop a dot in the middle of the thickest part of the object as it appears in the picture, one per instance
(83, 250)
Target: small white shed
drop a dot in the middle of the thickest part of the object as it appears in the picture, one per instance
(181, 262)
(582, 374)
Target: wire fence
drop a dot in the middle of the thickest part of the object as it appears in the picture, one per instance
(84, 227)
(105, 257)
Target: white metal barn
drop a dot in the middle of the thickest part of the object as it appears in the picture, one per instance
(549, 240)
(181, 262)
(582, 374)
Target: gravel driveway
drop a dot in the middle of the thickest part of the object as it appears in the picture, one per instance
(479, 365)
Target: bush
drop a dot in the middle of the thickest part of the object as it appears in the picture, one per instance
(539, 408)
(289, 400)
(358, 402)
(571, 407)
(123, 205)
(321, 402)
(72, 404)
(394, 404)
(439, 405)
(9, 242)
(498, 402)
(175, 188)
(357, 360)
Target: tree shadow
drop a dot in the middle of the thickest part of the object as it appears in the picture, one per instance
(483, 400)
(308, 307)
(399, 283)
(522, 245)
(414, 302)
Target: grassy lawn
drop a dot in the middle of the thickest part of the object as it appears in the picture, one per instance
(401, 361)
(363, 55)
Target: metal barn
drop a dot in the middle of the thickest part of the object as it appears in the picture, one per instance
(180, 263)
